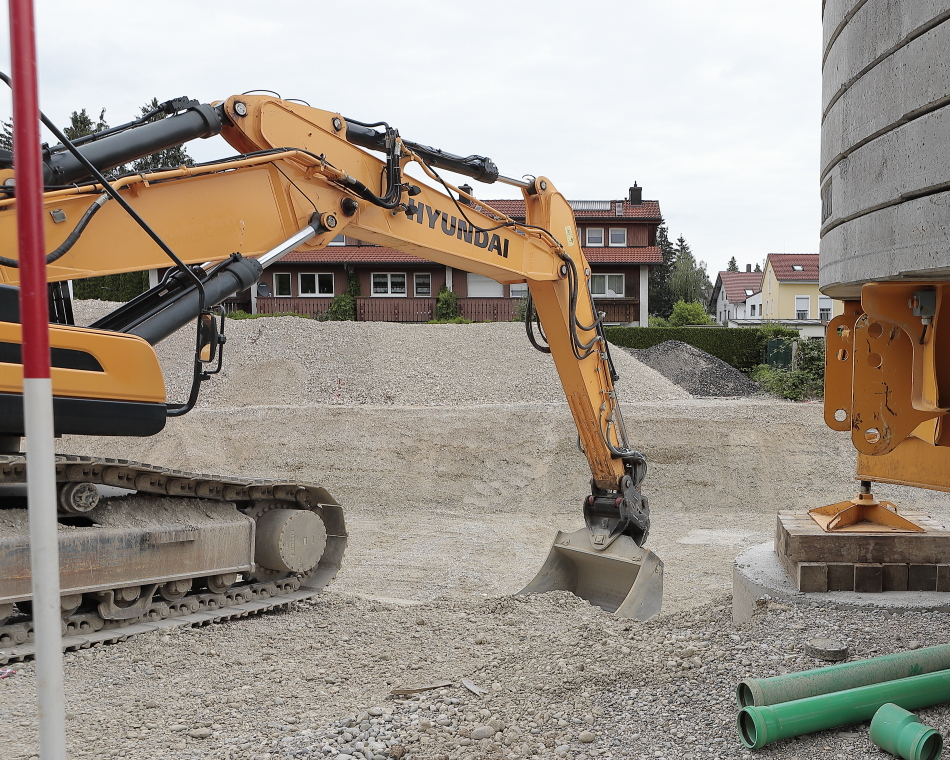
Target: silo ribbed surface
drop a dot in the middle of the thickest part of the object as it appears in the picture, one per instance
(885, 143)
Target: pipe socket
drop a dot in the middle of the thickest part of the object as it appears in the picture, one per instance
(901, 733)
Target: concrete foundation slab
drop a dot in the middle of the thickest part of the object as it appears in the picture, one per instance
(758, 573)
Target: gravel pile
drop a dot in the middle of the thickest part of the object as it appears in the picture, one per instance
(560, 680)
(694, 370)
(289, 360)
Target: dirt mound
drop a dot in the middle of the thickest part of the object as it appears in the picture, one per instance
(695, 371)
(289, 360)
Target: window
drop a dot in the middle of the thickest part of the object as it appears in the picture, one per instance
(315, 284)
(824, 308)
(595, 236)
(518, 290)
(619, 207)
(749, 292)
(423, 284)
(389, 283)
(752, 310)
(282, 284)
(802, 307)
(798, 268)
(606, 285)
(618, 236)
(338, 240)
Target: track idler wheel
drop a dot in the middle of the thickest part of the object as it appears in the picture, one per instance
(172, 591)
(218, 584)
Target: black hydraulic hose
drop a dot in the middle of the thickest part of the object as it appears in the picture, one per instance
(70, 240)
(529, 319)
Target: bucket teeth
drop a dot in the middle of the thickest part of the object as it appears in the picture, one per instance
(625, 579)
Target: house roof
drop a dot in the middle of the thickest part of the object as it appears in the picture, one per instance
(645, 255)
(782, 264)
(648, 210)
(737, 283)
(353, 254)
(371, 254)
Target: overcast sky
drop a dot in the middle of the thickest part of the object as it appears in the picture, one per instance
(712, 107)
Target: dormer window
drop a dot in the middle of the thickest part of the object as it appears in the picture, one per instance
(619, 208)
(798, 268)
(595, 236)
(749, 292)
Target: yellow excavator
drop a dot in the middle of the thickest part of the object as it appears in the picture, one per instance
(141, 543)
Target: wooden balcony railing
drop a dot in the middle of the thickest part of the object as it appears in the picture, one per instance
(619, 309)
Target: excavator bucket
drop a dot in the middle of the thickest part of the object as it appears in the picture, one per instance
(623, 578)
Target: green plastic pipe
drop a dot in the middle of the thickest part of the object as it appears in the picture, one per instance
(901, 733)
(848, 675)
(759, 726)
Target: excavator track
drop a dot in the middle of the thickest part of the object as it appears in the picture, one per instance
(98, 616)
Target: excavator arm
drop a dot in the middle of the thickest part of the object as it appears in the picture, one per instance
(303, 176)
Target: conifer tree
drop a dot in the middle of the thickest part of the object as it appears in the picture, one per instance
(732, 266)
(661, 298)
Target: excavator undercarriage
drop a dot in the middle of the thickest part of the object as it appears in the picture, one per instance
(166, 545)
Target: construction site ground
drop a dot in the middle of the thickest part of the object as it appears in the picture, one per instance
(456, 459)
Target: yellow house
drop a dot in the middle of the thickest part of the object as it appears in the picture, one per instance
(790, 289)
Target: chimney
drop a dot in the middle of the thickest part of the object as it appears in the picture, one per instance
(462, 198)
(748, 267)
(636, 195)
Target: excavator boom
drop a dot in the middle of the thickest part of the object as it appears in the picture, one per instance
(303, 176)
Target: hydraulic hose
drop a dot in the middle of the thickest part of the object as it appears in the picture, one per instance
(759, 726)
(70, 240)
(848, 675)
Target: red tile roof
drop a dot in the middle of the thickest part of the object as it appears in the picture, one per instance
(646, 210)
(646, 255)
(737, 283)
(352, 254)
(370, 254)
(782, 264)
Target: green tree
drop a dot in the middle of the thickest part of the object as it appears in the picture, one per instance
(692, 313)
(446, 305)
(732, 266)
(343, 307)
(661, 297)
(689, 281)
(81, 124)
(170, 157)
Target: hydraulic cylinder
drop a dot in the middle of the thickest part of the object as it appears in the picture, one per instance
(848, 675)
(759, 726)
(901, 733)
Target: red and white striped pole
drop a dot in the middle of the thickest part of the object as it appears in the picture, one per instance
(37, 386)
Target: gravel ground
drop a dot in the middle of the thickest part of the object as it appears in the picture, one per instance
(451, 507)
(694, 370)
(561, 679)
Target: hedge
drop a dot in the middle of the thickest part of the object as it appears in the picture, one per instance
(743, 347)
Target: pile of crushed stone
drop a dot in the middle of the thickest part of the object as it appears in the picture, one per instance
(303, 362)
(695, 371)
